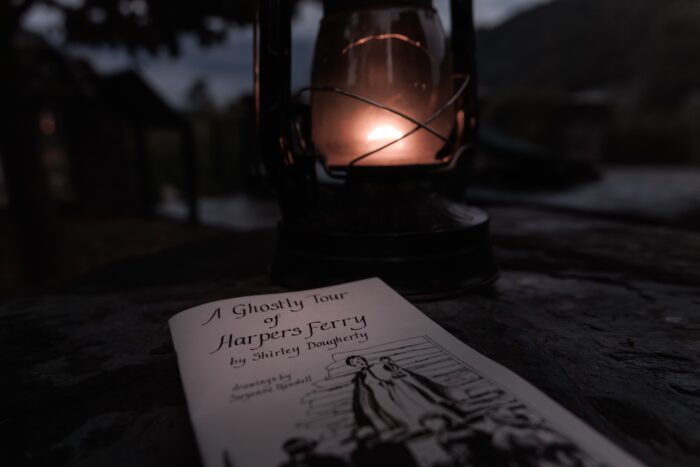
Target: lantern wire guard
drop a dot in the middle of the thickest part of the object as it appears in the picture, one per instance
(419, 125)
(405, 223)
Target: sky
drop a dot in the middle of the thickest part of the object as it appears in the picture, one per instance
(227, 67)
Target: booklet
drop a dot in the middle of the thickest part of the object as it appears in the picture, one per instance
(355, 375)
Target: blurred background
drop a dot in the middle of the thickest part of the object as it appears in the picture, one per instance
(127, 125)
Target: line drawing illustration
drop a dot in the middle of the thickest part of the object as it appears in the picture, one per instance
(411, 403)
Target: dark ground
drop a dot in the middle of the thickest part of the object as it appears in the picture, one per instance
(83, 244)
(607, 329)
(602, 314)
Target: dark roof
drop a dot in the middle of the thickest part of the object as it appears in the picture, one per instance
(128, 93)
(59, 78)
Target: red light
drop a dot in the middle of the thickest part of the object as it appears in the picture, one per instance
(47, 123)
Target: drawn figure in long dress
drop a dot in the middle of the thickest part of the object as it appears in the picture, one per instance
(390, 398)
(425, 408)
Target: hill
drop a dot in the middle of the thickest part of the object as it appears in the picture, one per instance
(582, 44)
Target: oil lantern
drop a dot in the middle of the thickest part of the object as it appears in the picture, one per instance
(370, 161)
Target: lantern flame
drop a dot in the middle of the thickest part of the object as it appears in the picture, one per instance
(384, 133)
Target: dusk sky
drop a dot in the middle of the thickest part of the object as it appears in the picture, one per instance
(227, 67)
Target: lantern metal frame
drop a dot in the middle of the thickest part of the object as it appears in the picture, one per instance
(424, 125)
(406, 224)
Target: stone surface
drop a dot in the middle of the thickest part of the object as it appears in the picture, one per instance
(602, 315)
(668, 195)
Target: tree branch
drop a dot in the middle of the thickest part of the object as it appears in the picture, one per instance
(22, 8)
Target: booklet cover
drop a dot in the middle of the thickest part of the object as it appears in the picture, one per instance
(355, 375)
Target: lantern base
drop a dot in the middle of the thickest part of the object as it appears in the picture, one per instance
(424, 249)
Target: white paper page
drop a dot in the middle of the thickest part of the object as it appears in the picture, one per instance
(355, 375)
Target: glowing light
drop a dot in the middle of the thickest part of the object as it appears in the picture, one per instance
(47, 123)
(385, 133)
(383, 37)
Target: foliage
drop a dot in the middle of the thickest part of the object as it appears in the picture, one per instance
(624, 45)
(138, 24)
